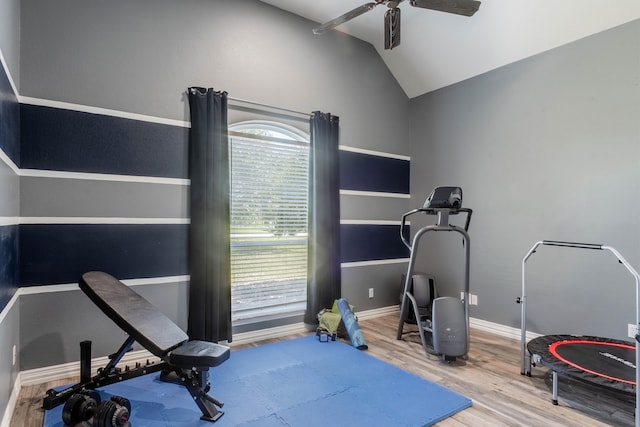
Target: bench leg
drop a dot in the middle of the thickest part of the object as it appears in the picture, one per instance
(196, 382)
(110, 374)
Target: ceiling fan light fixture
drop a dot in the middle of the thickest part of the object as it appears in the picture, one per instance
(392, 28)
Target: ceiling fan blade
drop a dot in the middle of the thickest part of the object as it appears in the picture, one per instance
(459, 7)
(327, 26)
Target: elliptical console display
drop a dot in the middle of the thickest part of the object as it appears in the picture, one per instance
(444, 197)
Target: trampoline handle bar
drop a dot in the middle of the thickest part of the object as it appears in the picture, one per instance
(572, 244)
(525, 362)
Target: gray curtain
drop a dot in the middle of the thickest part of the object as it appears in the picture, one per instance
(324, 275)
(209, 232)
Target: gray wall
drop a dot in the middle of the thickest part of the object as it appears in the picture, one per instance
(68, 317)
(9, 192)
(9, 198)
(545, 148)
(10, 36)
(140, 57)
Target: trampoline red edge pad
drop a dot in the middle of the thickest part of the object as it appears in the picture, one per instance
(600, 361)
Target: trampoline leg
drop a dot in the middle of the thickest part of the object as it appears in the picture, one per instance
(555, 388)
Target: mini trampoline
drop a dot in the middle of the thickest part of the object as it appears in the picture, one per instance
(604, 362)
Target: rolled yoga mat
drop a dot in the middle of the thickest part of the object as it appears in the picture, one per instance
(351, 325)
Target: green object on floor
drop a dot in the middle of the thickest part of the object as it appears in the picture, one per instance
(330, 321)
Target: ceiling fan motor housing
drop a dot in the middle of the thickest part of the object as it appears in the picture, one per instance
(392, 28)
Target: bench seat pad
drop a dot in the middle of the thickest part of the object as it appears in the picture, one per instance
(199, 354)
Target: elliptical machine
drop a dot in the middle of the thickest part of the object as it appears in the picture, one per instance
(444, 328)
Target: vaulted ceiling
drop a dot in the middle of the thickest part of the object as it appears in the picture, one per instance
(438, 49)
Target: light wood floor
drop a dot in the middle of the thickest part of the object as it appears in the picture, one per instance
(490, 377)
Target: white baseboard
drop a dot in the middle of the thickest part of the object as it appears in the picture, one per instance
(479, 324)
(378, 312)
(498, 329)
(11, 404)
(66, 370)
(268, 333)
(72, 369)
(296, 328)
(482, 325)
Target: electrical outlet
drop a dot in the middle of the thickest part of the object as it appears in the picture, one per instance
(473, 299)
(632, 330)
(370, 292)
(15, 353)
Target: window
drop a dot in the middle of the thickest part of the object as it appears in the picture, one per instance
(269, 205)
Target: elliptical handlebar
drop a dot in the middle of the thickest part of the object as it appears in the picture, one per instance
(404, 218)
(433, 211)
(469, 212)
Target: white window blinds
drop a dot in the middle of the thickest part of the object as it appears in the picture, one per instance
(269, 204)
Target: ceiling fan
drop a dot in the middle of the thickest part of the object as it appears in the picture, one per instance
(392, 16)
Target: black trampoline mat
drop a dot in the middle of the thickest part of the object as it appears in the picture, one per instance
(597, 360)
(605, 359)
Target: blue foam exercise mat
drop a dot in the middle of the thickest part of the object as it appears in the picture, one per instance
(299, 382)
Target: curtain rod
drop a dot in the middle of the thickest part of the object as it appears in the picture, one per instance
(244, 101)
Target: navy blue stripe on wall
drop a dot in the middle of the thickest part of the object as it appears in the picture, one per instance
(366, 242)
(366, 172)
(66, 140)
(9, 119)
(61, 253)
(8, 263)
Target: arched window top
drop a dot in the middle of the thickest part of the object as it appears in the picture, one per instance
(270, 130)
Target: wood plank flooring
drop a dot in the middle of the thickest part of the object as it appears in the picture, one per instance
(490, 377)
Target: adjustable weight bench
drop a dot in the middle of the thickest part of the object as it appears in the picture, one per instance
(145, 324)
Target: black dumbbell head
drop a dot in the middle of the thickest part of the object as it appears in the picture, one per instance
(80, 407)
(111, 414)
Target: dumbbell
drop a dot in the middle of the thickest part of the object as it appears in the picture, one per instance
(80, 408)
(85, 409)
